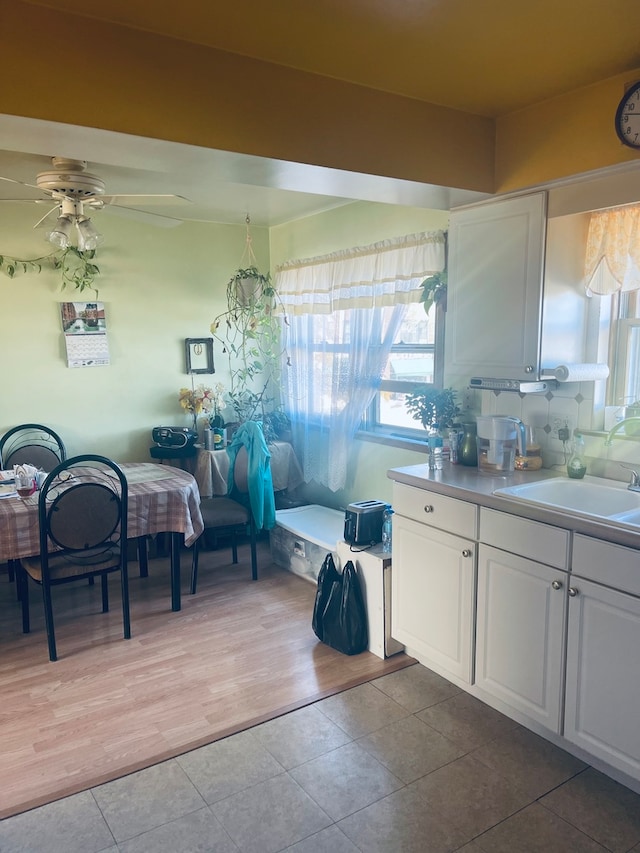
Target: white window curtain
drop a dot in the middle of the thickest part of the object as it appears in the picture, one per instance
(613, 247)
(344, 311)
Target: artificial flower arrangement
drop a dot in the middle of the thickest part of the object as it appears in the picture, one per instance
(216, 419)
(196, 401)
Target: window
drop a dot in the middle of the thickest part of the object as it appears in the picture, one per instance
(344, 314)
(612, 272)
(415, 359)
(624, 348)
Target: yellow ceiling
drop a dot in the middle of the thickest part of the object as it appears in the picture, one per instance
(485, 57)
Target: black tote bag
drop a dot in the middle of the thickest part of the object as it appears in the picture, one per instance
(327, 575)
(344, 619)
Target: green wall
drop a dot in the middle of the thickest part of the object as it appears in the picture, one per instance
(159, 286)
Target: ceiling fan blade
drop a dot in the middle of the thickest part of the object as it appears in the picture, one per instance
(156, 219)
(20, 183)
(147, 200)
(47, 214)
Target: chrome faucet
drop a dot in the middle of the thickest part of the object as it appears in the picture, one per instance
(610, 435)
(522, 436)
(634, 482)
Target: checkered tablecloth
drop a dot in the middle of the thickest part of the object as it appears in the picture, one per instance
(162, 499)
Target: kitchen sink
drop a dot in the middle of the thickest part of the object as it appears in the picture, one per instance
(630, 517)
(594, 496)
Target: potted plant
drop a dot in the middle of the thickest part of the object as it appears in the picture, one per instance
(277, 426)
(433, 407)
(434, 289)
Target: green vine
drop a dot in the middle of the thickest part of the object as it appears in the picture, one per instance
(77, 268)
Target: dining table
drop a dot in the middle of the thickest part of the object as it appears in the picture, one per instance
(162, 499)
(212, 469)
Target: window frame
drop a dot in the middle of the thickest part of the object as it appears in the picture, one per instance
(371, 425)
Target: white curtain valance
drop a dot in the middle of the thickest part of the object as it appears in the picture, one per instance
(384, 273)
(613, 243)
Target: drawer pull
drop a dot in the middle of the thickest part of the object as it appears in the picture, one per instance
(572, 591)
(556, 584)
(428, 508)
(467, 552)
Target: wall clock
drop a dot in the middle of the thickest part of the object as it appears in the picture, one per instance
(628, 117)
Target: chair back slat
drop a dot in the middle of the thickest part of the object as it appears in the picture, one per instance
(83, 516)
(33, 454)
(32, 444)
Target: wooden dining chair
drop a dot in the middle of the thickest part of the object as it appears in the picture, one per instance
(82, 513)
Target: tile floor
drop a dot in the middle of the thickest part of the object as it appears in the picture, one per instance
(404, 763)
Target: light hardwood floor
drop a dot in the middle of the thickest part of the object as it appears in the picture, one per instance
(238, 653)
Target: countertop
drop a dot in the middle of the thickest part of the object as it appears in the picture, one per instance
(468, 484)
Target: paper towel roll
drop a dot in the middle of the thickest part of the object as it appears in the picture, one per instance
(580, 372)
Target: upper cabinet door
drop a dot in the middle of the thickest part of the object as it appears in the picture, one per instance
(494, 300)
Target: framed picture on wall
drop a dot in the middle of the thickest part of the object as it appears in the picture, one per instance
(199, 355)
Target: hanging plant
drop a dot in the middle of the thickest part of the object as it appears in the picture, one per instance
(77, 267)
(248, 287)
(249, 334)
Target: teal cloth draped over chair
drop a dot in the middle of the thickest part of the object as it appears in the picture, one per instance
(250, 436)
(249, 501)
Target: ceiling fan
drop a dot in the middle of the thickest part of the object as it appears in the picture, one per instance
(76, 193)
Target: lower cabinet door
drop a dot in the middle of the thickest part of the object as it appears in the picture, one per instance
(433, 576)
(603, 674)
(519, 635)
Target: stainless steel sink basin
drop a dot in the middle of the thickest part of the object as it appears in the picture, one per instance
(591, 496)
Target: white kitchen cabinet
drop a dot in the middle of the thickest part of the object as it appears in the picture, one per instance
(520, 634)
(521, 608)
(494, 298)
(433, 583)
(603, 655)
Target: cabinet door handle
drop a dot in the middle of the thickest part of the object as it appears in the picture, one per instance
(428, 508)
(466, 552)
(556, 584)
(572, 591)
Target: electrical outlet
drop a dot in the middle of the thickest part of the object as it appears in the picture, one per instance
(560, 429)
(556, 425)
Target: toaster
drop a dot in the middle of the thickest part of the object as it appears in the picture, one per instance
(363, 522)
(174, 436)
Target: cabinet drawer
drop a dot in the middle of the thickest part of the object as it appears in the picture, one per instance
(541, 542)
(451, 514)
(612, 565)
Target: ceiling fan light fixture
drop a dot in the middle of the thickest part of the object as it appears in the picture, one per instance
(89, 237)
(60, 233)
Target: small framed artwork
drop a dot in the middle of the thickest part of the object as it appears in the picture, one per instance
(199, 355)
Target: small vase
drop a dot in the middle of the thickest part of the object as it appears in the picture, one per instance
(468, 448)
